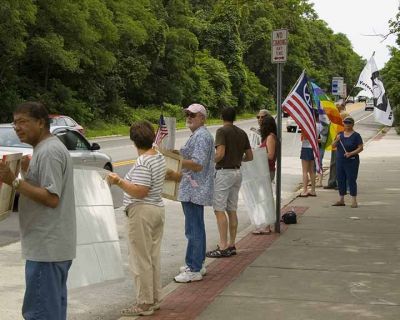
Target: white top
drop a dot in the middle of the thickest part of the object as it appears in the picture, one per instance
(149, 171)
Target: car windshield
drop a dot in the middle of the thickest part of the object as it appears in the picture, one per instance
(57, 122)
(8, 138)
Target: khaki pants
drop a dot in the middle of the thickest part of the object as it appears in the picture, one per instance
(145, 230)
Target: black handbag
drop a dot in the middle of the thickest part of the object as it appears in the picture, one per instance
(289, 217)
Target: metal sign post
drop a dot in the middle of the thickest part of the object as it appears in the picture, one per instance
(279, 56)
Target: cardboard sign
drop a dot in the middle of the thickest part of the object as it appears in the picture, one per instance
(173, 161)
(7, 193)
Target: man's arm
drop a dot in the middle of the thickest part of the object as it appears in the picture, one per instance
(219, 153)
(191, 165)
(38, 194)
(248, 155)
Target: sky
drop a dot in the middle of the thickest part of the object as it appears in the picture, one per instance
(359, 18)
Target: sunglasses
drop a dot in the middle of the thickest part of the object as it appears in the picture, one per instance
(190, 114)
(260, 117)
(348, 122)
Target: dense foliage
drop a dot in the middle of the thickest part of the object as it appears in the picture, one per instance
(103, 59)
(391, 73)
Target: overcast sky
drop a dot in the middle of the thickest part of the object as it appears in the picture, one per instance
(358, 18)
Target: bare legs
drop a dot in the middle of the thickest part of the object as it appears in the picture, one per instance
(224, 224)
(308, 175)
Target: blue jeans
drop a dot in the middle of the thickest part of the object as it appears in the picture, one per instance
(46, 290)
(195, 233)
(347, 172)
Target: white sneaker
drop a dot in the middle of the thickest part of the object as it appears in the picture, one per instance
(203, 270)
(188, 276)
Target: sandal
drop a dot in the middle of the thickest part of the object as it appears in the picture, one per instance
(354, 205)
(232, 250)
(219, 253)
(312, 194)
(303, 195)
(137, 310)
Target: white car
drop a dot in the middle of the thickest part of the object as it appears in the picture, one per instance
(291, 125)
(369, 105)
(82, 152)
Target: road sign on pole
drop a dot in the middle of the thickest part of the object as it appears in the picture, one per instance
(337, 86)
(279, 42)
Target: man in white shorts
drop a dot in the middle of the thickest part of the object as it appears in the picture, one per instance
(232, 147)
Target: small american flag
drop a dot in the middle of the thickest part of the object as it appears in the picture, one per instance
(162, 131)
(299, 106)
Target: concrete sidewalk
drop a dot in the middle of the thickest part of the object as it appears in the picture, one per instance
(336, 263)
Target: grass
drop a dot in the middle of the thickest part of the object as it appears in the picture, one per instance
(103, 129)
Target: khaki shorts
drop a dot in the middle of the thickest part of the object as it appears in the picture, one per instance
(226, 189)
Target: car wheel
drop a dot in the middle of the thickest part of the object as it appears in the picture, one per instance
(108, 167)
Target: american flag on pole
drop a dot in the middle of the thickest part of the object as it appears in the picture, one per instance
(299, 106)
(162, 131)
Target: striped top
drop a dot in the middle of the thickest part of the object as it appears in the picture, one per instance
(149, 171)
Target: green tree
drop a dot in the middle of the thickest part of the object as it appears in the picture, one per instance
(16, 17)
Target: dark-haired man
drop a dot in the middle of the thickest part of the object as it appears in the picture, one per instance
(232, 147)
(46, 214)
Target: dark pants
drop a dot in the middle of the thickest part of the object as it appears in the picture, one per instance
(46, 290)
(332, 171)
(347, 172)
(196, 235)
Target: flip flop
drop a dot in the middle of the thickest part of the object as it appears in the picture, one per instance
(338, 204)
(303, 195)
(311, 195)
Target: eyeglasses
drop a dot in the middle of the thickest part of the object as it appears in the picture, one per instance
(348, 122)
(190, 114)
(20, 122)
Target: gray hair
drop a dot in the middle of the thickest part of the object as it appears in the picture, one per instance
(264, 112)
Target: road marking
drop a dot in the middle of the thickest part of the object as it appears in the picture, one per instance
(359, 120)
(123, 163)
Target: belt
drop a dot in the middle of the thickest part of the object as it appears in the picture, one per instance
(225, 168)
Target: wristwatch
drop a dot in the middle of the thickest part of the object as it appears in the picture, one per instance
(16, 183)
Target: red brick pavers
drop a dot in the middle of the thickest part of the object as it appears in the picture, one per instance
(189, 300)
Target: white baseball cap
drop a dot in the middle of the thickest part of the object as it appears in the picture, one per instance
(197, 108)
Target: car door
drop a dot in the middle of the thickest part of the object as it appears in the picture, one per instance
(78, 147)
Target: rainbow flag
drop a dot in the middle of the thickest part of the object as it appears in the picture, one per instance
(330, 110)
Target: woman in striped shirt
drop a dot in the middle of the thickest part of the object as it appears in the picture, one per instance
(144, 208)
